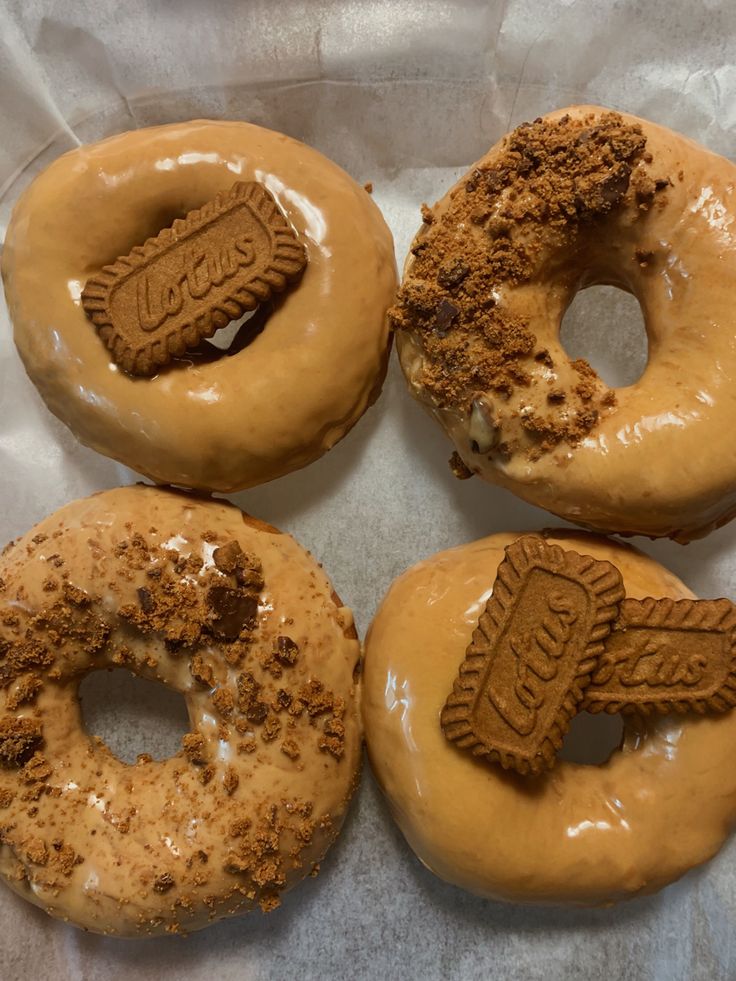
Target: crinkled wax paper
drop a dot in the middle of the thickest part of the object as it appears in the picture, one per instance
(405, 94)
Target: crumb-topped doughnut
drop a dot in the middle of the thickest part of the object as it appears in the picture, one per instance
(580, 197)
(474, 664)
(240, 620)
(123, 257)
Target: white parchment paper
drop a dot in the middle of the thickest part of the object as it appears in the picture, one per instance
(405, 94)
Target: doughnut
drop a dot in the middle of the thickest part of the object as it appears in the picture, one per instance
(296, 376)
(580, 197)
(578, 834)
(241, 621)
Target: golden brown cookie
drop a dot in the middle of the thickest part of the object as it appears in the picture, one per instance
(666, 656)
(532, 654)
(193, 278)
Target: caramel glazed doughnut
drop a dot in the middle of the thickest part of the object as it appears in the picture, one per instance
(277, 404)
(240, 620)
(582, 196)
(588, 835)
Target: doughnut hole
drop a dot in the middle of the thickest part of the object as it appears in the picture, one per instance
(225, 337)
(238, 333)
(591, 739)
(605, 326)
(133, 715)
(228, 340)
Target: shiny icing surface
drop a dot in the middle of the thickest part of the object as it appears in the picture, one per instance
(171, 845)
(662, 803)
(240, 420)
(657, 463)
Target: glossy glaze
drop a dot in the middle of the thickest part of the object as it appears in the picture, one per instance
(239, 420)
(662, 803)
(133, 823)
(658, 464)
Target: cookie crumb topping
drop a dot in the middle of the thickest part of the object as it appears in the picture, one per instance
(198, 616)
(552, 185)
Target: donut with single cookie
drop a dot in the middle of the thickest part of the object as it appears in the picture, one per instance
(242, 622)
(124, 257)
(580, 197)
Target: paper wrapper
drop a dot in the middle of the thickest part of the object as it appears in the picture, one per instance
(405, 94)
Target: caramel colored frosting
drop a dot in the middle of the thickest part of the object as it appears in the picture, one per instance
(662, 803)
(238, 420)
(242, 622)
(581, 197)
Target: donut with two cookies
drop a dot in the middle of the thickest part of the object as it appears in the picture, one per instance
(475, 663)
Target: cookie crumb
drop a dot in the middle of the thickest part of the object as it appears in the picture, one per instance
(19, 738)
(459, 468)
(162, 883)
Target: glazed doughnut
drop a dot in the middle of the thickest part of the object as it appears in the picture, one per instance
(242, 622)
(580, 197)
(215, 423)
(662, 803)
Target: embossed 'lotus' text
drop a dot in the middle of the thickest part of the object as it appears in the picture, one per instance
(537, 656)
(531, 670)
(651, 661)
(157, 301)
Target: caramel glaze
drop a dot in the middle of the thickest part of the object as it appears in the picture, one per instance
(590, 835)
(237, 421)
(261, 787)
(657, 464)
